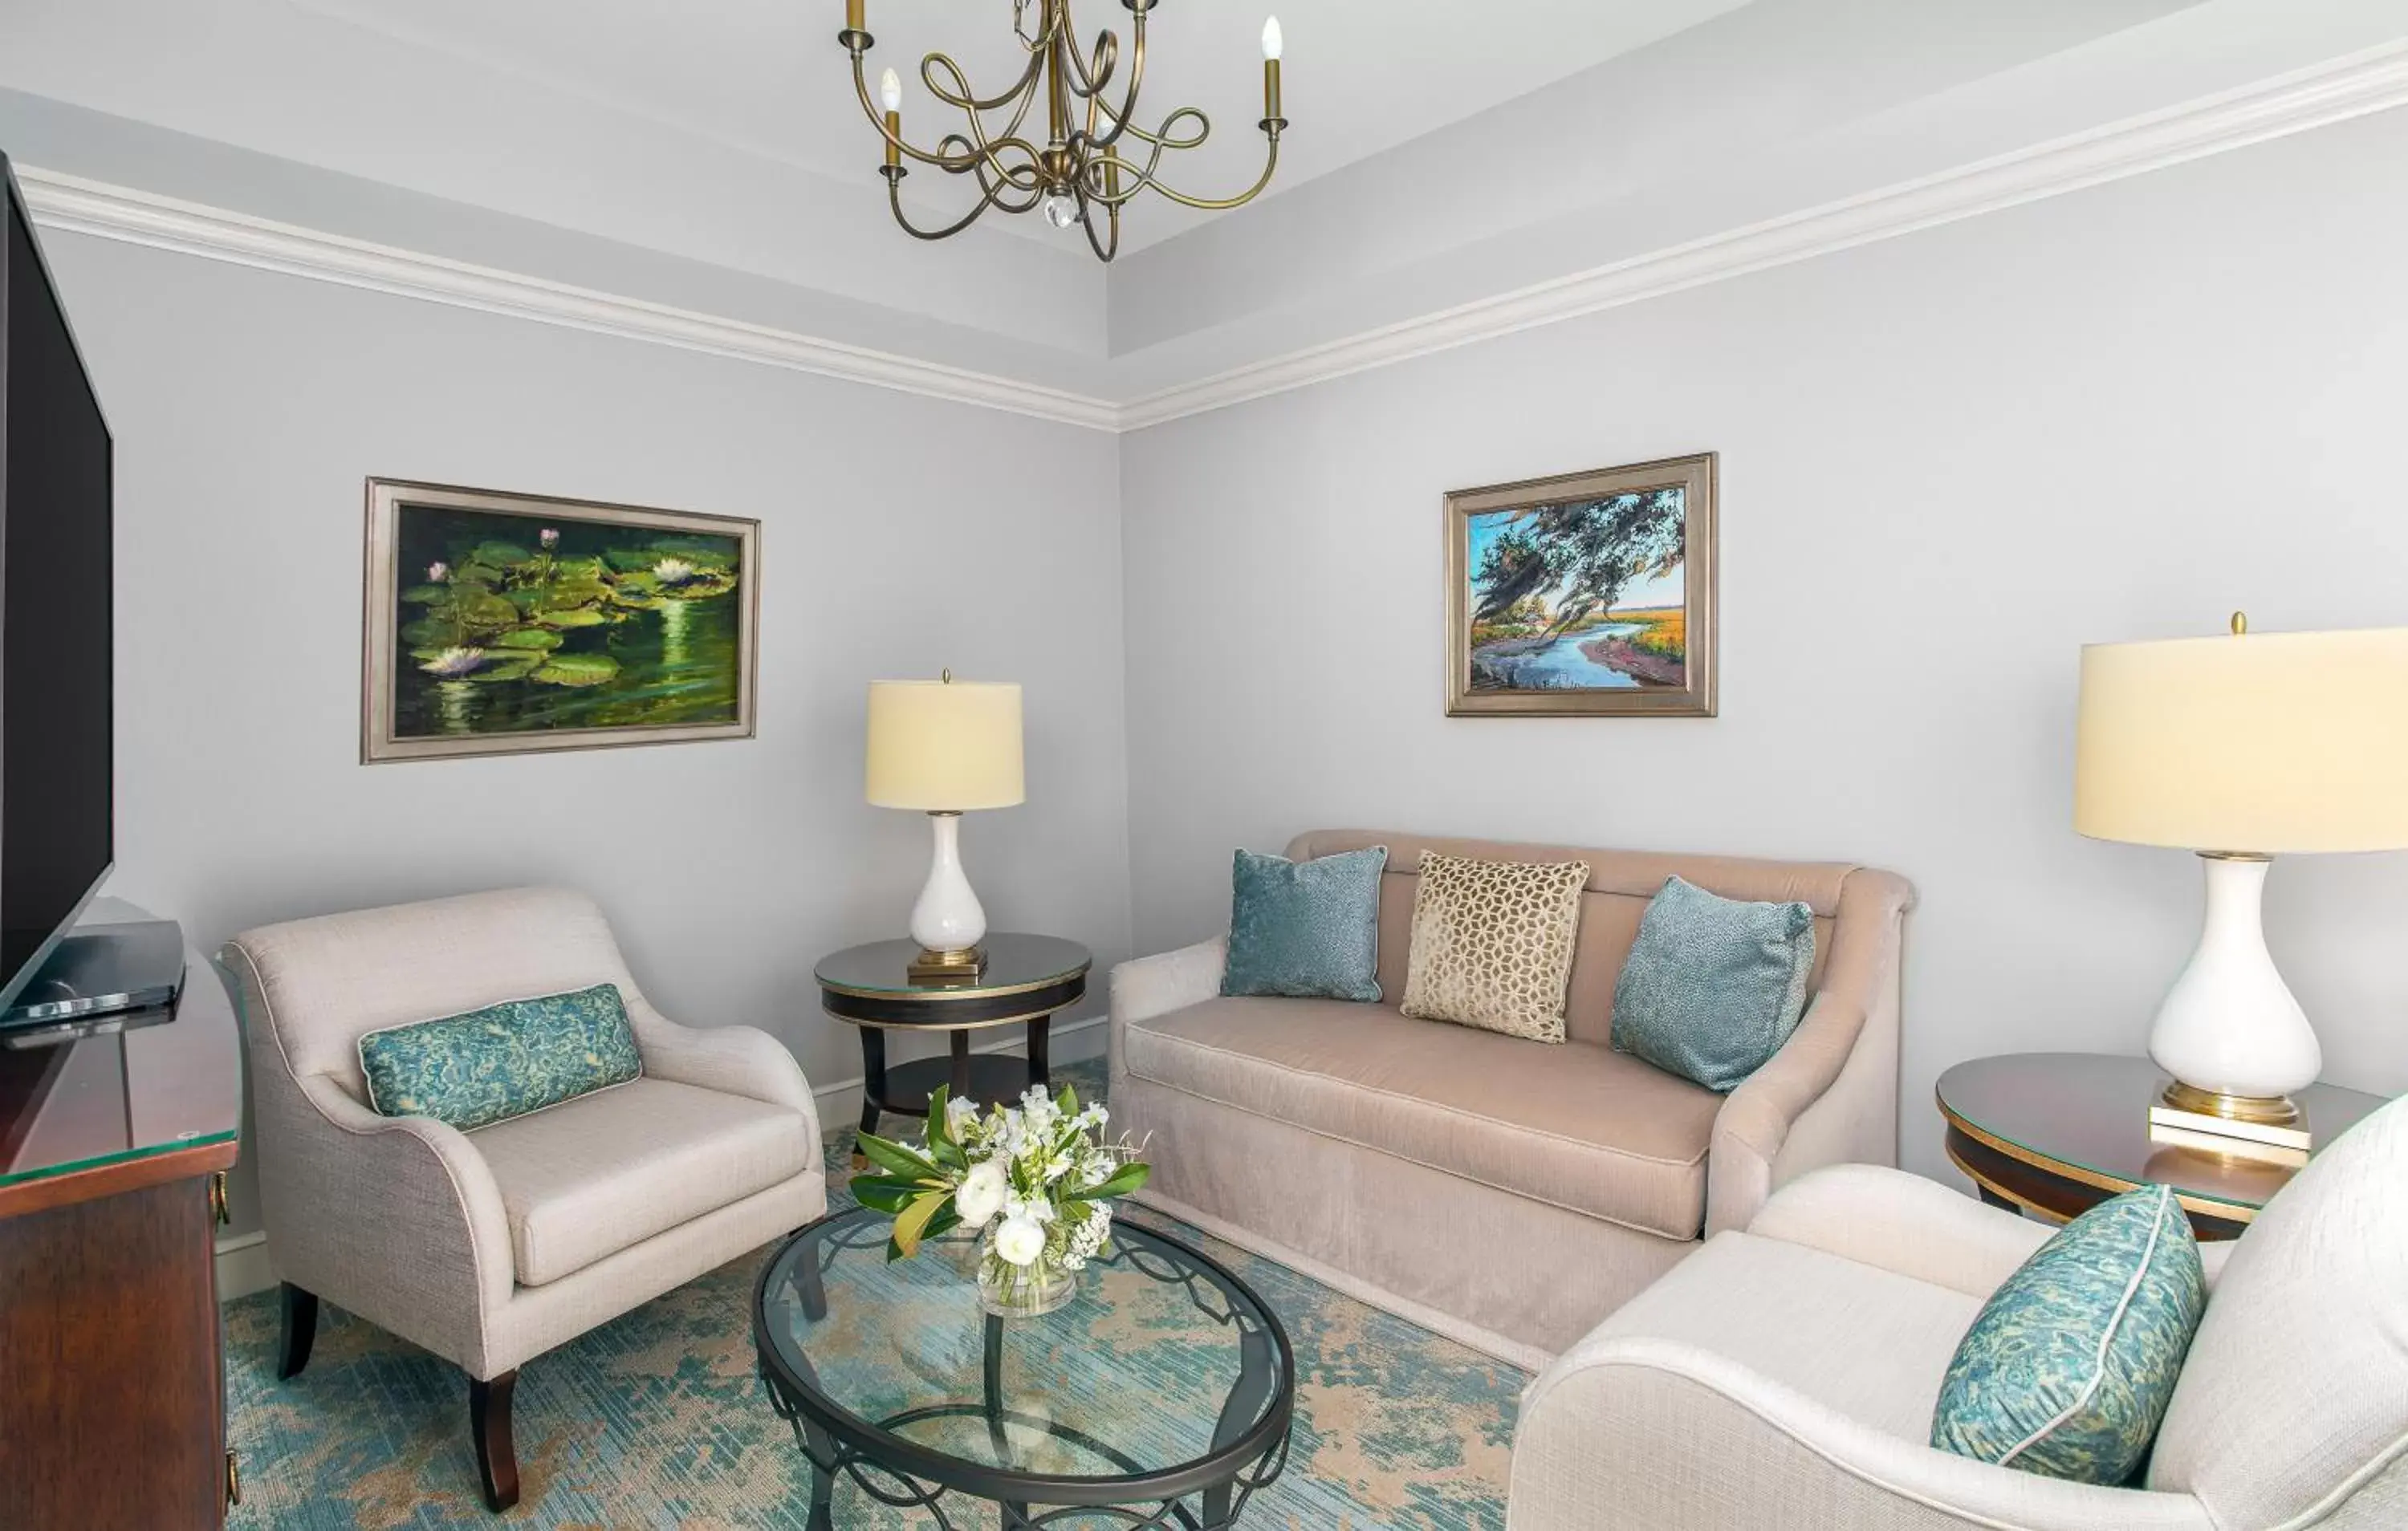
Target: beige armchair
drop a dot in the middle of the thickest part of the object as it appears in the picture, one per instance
(490, 1248)
(1786, 1377)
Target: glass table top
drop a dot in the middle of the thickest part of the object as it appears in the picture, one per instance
(157, 1086)
(1013, 962)
(2091, 1111)
(1162, 1362)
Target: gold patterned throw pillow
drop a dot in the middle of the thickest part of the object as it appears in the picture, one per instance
(1492, 943)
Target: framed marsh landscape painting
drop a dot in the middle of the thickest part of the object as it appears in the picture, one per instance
(501, 623)
(1591, 595)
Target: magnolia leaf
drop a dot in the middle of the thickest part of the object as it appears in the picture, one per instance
(895, 1159)
(1129, 1177)
(885, 1193)
(911, 1223)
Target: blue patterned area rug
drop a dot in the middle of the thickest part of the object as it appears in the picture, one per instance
(658, 1419)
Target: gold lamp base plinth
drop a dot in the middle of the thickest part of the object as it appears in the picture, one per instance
(2265, 1111)
(2268, 1127)
(962, 964)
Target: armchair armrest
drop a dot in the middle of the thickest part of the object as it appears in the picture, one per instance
(1168, 981)
(394, 1217)
(733, 1059)
(1902, 1222)
(1635, 1431)
(1840, 1064)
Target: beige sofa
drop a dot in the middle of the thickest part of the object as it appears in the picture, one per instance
(1508, 1193)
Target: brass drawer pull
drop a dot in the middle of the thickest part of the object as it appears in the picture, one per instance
(234, 1478)
(217, 1209)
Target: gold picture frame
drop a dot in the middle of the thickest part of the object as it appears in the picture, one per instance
(1559, 594)
(508, 623)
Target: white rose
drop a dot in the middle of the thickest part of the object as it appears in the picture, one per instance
(1019, 1241)
(981, 1194)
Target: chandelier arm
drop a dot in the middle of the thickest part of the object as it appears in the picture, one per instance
(895, 199)
(1087, 86)
(1128, 102)
(958, 95)
(1029, 179)
(878, 121)
(1270, 164)
(1104, 250)
(1164, 137)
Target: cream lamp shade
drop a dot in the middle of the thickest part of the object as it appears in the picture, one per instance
(2264, 743)
(944, 746)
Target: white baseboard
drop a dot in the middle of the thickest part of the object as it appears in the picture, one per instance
(244, 1267)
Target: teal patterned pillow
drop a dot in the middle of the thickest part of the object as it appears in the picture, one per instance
(506, 1060)
(2072, 1361)
(1306, 929)
(1713, 986)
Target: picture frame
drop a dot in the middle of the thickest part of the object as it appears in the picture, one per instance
(1585, 594)
(508, 623)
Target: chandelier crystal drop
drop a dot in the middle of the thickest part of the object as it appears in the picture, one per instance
(1096, 156)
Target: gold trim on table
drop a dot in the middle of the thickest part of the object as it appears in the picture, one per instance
(2228, 1211)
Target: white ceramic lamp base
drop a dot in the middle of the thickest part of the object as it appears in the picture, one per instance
(948, 922)
(2229, 1032)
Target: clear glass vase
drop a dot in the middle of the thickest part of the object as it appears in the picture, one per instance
(1009, 1291)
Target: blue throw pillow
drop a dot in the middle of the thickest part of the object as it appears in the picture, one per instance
(1306, 929)
(506, 1060)
(2072, 1361)
(1713, 986)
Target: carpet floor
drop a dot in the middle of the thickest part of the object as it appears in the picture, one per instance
(658, 1419)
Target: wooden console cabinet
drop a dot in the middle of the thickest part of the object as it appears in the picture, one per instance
(113, 1153)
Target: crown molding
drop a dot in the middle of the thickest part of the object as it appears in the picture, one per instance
(2354, 86)
(142, 218)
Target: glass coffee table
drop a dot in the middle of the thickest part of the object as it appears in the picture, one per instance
(1162, 1397)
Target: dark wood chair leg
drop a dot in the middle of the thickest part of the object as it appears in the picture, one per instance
(300, 1328)
(488, 1422)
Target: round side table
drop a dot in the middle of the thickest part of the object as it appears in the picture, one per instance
(2058, 1133)
(1026, 980)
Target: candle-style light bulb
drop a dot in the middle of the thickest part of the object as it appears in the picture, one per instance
(890, 89)
(1273, 44)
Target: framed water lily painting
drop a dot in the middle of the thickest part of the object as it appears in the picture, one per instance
(1589, 595)
(502, 623)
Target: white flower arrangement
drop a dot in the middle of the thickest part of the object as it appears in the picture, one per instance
(1036, 1179)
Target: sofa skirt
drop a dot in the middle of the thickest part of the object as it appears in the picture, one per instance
(1517, 1278)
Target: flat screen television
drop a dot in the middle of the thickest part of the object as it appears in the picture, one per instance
(56, 673)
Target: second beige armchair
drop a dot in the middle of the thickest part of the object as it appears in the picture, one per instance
(490, 1248)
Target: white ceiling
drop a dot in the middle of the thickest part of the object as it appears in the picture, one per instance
(767, 77)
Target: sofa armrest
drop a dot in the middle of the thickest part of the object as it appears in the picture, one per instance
(396, 1217)
(743, 1061)
(1640, 1432)
(1842, 1059)
(1168, 981)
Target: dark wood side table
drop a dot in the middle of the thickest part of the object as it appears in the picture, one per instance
(1028, 980)
(2058, 1133)
(113, 1153)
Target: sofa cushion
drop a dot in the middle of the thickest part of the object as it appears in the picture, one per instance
(592, 1177)
(1713, 986)
(1305, 929)
(1580, 1125)
(505, 1060)
(1492, 943)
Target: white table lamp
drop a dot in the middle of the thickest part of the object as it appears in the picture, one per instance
(945, 746)
(2241, 747)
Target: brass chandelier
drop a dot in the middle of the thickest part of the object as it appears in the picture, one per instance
(1081, 170)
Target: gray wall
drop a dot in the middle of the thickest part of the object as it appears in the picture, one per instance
(1948, 460)
(899, 534)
